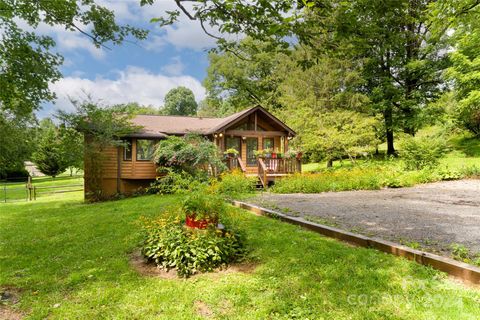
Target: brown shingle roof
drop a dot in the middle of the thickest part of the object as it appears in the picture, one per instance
(155, 126)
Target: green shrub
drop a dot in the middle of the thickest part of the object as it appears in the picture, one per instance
(422, 152)
(172, 181)
(234, 184)
(171, 245)
(14, 174)
(447, 174)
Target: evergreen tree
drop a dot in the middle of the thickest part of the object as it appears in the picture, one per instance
(49, 154)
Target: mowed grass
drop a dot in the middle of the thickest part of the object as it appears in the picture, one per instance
(70, 260)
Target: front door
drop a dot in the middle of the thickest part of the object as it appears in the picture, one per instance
(252, 146)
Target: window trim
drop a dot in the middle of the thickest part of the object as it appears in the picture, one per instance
(246, 152)
(128, 141)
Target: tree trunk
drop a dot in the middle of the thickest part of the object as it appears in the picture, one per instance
(330, 163)
(390, 146)
(389, 130)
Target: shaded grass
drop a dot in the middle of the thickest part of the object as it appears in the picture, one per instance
(71, 261)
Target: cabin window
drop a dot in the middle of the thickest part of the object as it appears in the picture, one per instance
(234, 143)
(252, 146)
(127, 150)
(145, 149)
(268, 143)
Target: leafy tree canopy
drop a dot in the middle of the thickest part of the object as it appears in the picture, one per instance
(465, 69)
(28, 63)
(180, 102)
(247, 77)
(16, 141)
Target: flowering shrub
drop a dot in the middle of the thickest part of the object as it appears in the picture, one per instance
(171, 245)
(190, 153)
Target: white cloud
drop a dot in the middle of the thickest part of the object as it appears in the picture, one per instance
(184, 34)
(71, 42)
(175, 68)
(131, 85)
(66, 40)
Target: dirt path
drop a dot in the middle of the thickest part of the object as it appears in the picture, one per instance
(433, 215)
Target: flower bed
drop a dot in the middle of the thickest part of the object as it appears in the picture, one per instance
(196, 246)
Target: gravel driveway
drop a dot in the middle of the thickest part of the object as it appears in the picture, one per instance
(433, 216)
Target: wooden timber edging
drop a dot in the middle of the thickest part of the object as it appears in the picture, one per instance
(464, 271)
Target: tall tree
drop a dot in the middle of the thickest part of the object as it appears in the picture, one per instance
(402, 63)
(390, 39)
(181, 102)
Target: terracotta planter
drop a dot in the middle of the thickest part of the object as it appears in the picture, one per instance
(192, 222)
(274, 156)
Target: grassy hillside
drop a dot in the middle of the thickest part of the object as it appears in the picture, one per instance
(69, 260)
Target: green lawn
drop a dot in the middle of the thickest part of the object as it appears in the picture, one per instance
(70, 260)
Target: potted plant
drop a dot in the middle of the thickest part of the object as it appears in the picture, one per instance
(291, 154)
(202, 209)
(231, 153)
(280, 155)
(267, 153)
(259, 153)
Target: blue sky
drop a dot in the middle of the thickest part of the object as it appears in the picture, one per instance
(144, 72)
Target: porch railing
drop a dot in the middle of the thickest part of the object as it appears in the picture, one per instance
(282, 166)
(235, 163)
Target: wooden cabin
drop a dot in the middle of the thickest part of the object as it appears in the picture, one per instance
(127, 169)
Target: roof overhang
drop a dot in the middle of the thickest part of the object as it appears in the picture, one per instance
(243, 115)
